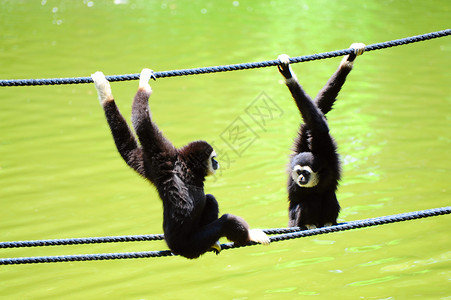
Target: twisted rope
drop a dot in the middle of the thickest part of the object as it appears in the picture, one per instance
(226, 68)
(286, 234)
(80, 241)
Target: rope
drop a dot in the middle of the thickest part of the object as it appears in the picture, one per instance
(80, 241)
(286, 234)
(226, 68)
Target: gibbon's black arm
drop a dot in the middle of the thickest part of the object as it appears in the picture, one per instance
(123, 137)
(328, 94)
(311, 115)
(151, 138)
(314, 120)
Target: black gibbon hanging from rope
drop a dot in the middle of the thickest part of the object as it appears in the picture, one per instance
(190, 222)
(314, 168)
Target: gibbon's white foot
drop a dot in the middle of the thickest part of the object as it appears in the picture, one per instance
(327, 224)
(257, 235)
(310, 226)
(348, 60)
(216, 247)
(103, 87)
(144, 78)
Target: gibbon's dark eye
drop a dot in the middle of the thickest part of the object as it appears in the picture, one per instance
(302, 172)
(214, 163)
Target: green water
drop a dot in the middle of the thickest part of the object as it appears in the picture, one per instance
(60, 175)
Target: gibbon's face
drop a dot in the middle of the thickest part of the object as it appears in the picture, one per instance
(302, 170)
(212, 164)
(304, 176)
(200, 158)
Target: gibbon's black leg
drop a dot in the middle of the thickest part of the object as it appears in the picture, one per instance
(310, 214)
(198, 242)
(294, 215)
(211, 210)
(209, 215)
(300, 213)
(328, 94)
(150, 137)
(237, 230)
(123, 137)
(330, 215)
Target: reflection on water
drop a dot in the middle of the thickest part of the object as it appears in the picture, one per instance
(284, 290)
(303, 262)
(60, 175)
(379, 261)
(364, 248)
(374, 281)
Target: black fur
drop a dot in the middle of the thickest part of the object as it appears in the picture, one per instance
(316, 148)
(190, 218)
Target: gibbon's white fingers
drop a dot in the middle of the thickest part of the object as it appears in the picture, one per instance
(285, 69)
(103, 87)
(212, 164)
(144, 78)
(327, 224)
(359, 48)
(310, 226)
(257, 235)
(284, 58)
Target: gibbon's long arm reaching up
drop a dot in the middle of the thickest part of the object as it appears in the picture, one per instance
(150, 137)
(314, 169)
(315, 124)
(122, 135)
(328, 94)
(190, 217)
(124, 138)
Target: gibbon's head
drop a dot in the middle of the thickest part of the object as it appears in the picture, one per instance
(304, 170)
(200, 158)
